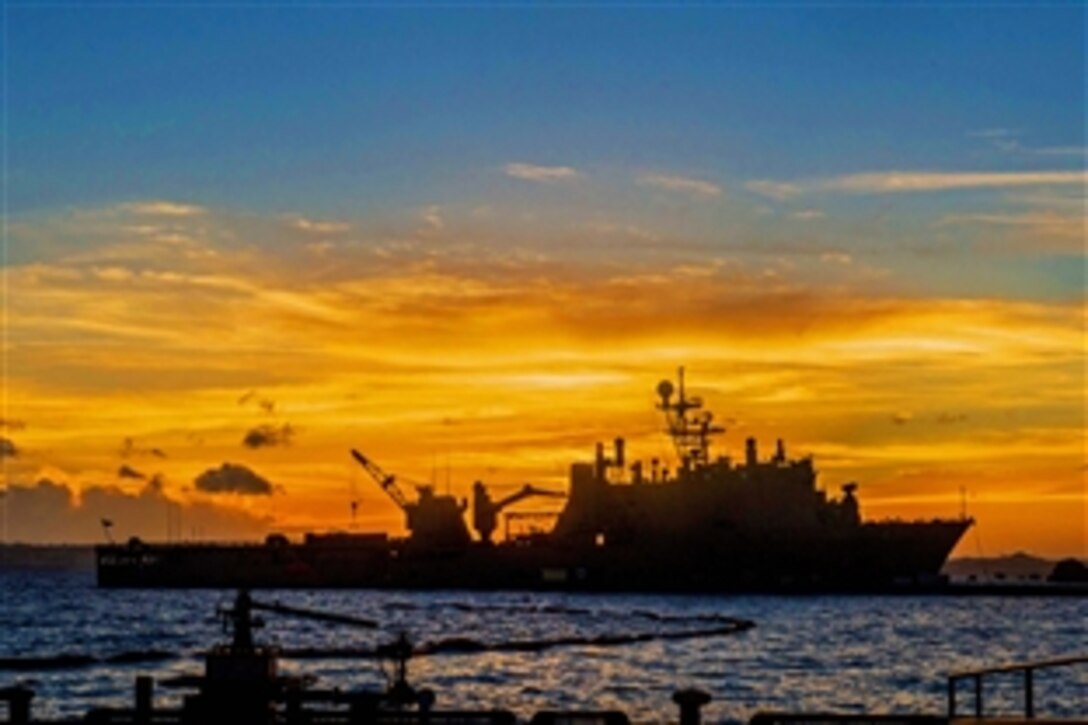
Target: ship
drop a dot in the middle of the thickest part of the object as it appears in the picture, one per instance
(710, 524)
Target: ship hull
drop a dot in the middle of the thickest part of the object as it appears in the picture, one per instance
(873, 557)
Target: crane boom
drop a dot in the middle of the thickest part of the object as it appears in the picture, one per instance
(387, 481)
(525, 492)
(485, 512)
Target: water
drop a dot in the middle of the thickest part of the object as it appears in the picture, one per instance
(848, 654)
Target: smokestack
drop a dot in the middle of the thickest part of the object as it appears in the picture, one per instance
(780, 453)
(600, 460)
(752, 455)
(619, 453)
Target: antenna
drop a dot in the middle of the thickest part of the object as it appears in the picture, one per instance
(447, 471)
(691, 434)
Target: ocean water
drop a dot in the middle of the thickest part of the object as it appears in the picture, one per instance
(846, 654)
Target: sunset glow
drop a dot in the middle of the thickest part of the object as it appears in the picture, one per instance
(916, 322)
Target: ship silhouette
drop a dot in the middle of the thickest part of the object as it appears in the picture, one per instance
(711, 525)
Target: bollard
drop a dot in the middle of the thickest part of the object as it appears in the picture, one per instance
(144, 685)
(691, 702)
(18, 698)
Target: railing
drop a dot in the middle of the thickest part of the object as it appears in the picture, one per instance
(824, 718)
(1028, 669)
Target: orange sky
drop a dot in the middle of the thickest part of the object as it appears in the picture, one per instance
(449, 354)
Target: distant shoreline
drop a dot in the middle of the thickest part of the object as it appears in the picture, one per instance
(47, 557)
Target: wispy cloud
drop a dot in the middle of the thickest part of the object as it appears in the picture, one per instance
(1008, 141)
(432, 217)
(315, 226)
(993, 133)
(631, 231)
(1066, 230)
(545, 174)
(895, 182)
(836, 258)
(696, 187)
(1081, 151)
(777, 190)
(163, 208)
(808, 214)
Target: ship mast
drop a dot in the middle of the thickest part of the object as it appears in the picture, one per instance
(689, 426)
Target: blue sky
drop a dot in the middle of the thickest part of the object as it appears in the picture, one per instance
(359, 110)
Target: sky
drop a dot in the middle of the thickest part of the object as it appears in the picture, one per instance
(469, 240)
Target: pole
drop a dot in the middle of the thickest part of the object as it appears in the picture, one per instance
(1029, 695)
(978, 695)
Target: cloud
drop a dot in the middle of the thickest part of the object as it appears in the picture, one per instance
(10, 424)
(232, 478)
(314, 226)
(1008, 141)
(695, 187)
(836, 258)
(1080, 151)
(126, 471)
(8, 449)
(129, 448)
(631, 231)
(808, 214)
(432, 216)
(252, 396)
(163, 208)
(895, 182)
(546, 174)
(946, 418)
(51, 512)
(1065, 232)
(993, 133)
(902, 418)
(268, 435)
(777, 190)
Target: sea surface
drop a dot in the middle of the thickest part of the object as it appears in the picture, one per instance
(847, 654)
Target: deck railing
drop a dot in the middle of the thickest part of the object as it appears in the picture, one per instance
(1027, 669)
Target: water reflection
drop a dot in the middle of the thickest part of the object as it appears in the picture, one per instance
(853, 654)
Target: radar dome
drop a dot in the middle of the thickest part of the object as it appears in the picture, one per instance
(665, 389)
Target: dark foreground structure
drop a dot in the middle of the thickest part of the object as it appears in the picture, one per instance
(713, 524)
(242, 685)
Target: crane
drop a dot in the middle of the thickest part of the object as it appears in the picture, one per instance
(387, 481)
(433, 521)
(485, 512)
